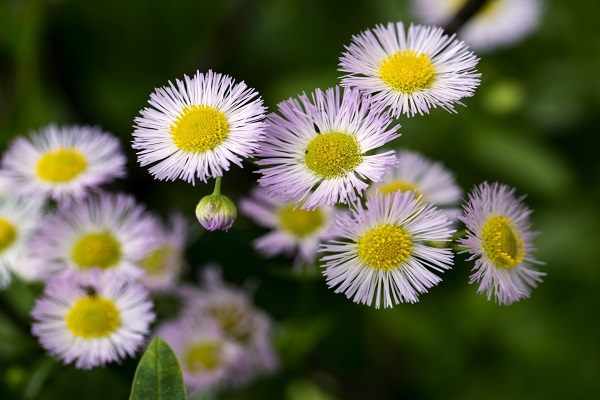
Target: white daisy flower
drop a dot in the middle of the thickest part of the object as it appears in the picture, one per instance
(429, 179)
(498, 23)
(381, 252)
(316, 151)
(205, 355)
(163, 265)
(499, 238)
(410, 72)
(92, 318)
(19, 218)
(198, 127)
(294, 232)
(62, 163)
(108, 231)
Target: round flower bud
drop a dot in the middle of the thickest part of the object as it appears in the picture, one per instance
(216, 212)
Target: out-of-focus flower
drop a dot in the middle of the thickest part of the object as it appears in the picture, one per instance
(381, 252)
(92, 318)
(315, 151)
(198, 127)
(499, 238)
(62, 163)
(498, 23)
(410, 72)
(293, 231)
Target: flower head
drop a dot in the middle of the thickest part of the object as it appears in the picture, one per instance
(92, 318)
(62, 163)
(410, 72)
(293, 231)
(498, 23)
(499, 238)
(429, 179)
(381, 252)
(19, 217)
(107, 231)
(198, 127)
(315, 151)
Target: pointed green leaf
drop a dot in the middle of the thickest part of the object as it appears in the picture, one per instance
(158, 376)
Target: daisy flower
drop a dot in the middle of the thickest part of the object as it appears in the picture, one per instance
(198, 127)
(293, 231)
(19, 218)
(92, 318)
(163, 265)
(204, 353)
(410, 72)
(429, 179)
(499, 238)
(381, 252)
(62, 163)
(498, 23)
(108, 231)
(315, 151)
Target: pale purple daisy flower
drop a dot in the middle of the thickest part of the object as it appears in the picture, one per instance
(499, 239)
(62, 163)
(498, 23)
(429, 179)
(315, 151)
(92, 318)
(382, 251)
(294, 232)
(163, 264)
(19, 218)
(204, 353)
(197, 127)
(108, 231)
(232, 310)
(410, 72)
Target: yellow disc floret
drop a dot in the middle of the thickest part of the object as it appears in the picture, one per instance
(407, 71)
(158, 260)
(61, 165)
(8, 234)
(300, 223)
(199, 128)
(385, 248)
(202, 356)
(93, 317)
(402, 186)
(488, 9)
(502, 242)
(332, 154)
(100, 250)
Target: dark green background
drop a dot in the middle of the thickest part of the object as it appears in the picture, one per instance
(532, 124)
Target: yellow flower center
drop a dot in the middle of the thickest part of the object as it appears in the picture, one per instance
(93, 317)
(402, 186)
(502, 242)
(386, 247)
(300, 223)
(407, 71)
(8, 234)
(331, 154)
(203, 356)
(199, 128)
(489, 8)
(61, 165)
(158, 260)
(100, 250)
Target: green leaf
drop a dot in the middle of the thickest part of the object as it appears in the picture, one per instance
(158, 376)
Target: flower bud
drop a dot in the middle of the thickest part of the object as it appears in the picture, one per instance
(216, 212)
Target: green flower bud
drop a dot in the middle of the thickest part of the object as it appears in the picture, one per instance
(216, 212)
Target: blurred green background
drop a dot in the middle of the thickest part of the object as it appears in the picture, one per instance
(532, 124)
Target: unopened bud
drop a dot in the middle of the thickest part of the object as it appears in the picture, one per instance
(216, 212)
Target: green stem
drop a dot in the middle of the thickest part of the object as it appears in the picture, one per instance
(217, 190)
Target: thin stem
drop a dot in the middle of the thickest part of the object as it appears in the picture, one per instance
(217, 190)
(465, 13)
